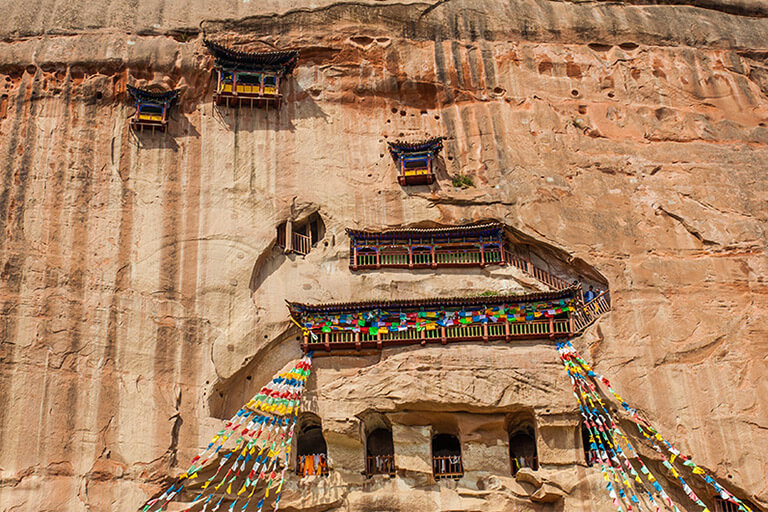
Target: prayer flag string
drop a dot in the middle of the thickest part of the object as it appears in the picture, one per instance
(262, 433)
(586, 389)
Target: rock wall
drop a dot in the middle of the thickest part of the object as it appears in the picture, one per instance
(142, 297)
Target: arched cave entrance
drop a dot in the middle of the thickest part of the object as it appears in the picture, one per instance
(380, 453)
(311, 450)
(446, 457)
(522, 450)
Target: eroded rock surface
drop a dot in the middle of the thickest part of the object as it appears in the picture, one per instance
(142, 297)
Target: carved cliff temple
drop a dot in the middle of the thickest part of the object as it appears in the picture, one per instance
(379, 324)
(415, 160)
(250, 78)
(462, 246)
(300, 237)
(311, 449)
(151, 108)
(446, 457)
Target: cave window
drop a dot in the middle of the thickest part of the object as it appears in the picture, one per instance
(590, 451)
(311, 450)
(522, 450)
(380, 453)
(446, 457)
(303, 235)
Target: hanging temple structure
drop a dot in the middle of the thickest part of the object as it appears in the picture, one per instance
(384, 256)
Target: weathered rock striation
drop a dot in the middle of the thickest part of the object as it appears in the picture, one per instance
(143, 296)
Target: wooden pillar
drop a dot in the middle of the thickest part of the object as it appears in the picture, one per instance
(234, 83)
(506, 331)
(326, 342)
(485, 332)
(288, 236)
(502, 248)
(378, 257)
(552, 327)
(482, 255)
(423, 337)
(410, 256)
(354, 257)
(379, 344)
(443, 339)
(357, 341)
(432, 252)
(570, 323)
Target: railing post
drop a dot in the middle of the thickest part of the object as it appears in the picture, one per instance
(434, 258)
(570, 323)
(410, 256)
(326, 341)
(378, 340)
(288, 236)
(357, 341)
(485, 332)
(482, 255)
(423, 337)
(443, 339)
(354, 258)
(551, 327)
(234, 83)
(506, 331)
(378, 257)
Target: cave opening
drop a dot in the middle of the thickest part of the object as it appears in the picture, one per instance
(522, 450)
(380, 453)
(311, 449)
(446, 457)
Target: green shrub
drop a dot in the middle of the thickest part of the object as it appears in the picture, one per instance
(463, 181)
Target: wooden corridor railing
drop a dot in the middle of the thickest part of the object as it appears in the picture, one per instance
(507, 331)
(540, 275)
(448, 255)
(586, 314)
(447, 467)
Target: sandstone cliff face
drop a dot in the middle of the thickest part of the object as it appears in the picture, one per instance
(142, 297)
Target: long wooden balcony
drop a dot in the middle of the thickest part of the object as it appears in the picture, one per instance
(552, 328)
(445, 255)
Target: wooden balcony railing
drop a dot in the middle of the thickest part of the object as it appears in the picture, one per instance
(524, 462)
(301, 243)
(346, 340)
(380, 465)
(447, 467)
(449, 255)
(315, 464)
(586, 314)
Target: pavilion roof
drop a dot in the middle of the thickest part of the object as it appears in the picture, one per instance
(433, 144)
(298, 308)
(231, 58)
(166, 97)
(405, 233)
